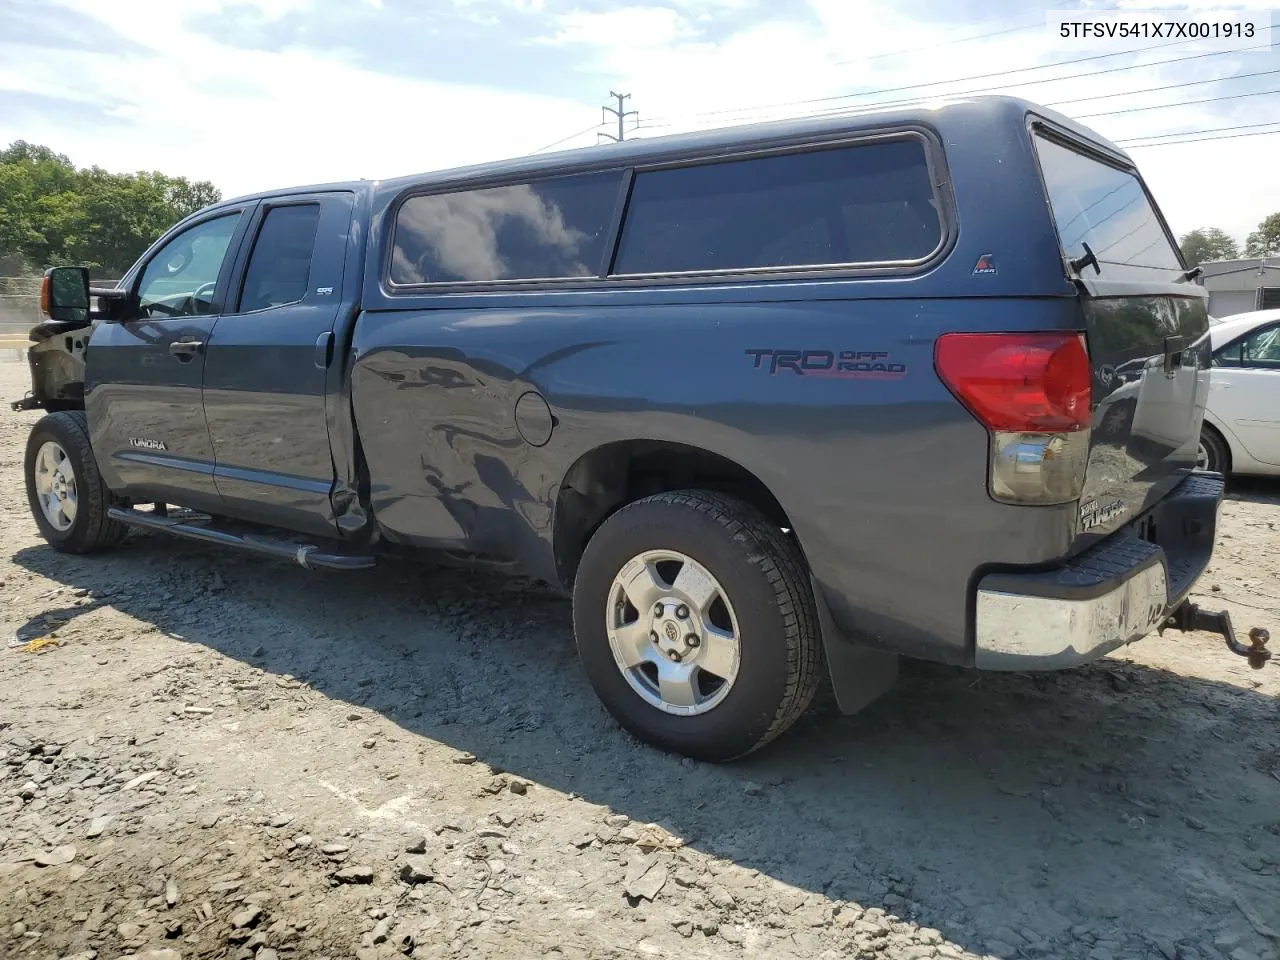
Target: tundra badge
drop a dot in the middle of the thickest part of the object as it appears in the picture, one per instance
(1093, 515)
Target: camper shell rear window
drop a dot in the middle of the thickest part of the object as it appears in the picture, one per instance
(1108, 209)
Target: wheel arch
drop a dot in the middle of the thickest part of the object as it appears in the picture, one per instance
(608, 477)
(1229, 442)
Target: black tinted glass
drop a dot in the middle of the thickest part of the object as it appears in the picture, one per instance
(281, 261)
(1108, 209)
(528, 231)
(871, 203)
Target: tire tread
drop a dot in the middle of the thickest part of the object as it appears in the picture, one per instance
(1218, 444)
(780, 560)
(100, 532)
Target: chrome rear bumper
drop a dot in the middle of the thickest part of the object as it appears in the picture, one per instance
(1023, 632)
(1111, 594)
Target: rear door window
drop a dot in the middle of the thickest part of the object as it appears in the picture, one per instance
(550, 229)
(1107, 208)
(280, 265)
(871, 203)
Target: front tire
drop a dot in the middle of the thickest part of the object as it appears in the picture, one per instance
(1213, 454)
(695, 623)
(65, 491)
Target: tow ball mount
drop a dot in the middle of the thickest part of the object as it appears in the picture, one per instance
(1190, 617)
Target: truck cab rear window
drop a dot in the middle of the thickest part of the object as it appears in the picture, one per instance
(1108, 209)
(550, 229)
(865, 204)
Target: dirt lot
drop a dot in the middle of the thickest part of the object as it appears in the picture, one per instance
(216, 756)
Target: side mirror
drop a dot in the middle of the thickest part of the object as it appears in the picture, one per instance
(112, 306)
(64, 294)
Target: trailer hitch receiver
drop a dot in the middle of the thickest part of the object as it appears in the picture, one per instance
(1190, 617)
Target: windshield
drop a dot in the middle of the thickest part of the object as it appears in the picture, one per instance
(1108, 209)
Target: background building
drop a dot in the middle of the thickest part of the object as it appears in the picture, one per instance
(1238, 286)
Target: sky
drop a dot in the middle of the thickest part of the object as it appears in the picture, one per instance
(255, 94)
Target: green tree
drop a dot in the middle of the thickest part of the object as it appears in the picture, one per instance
(53, 213)
(189, 197)
(1265, 241)
(1207, 243)
(29, 174)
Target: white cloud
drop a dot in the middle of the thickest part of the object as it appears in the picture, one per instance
(251, 120)
(634, 27)
(270, 9)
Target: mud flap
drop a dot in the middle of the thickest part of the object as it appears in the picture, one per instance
(859, 675)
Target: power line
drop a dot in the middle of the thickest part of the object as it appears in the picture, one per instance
(1058, 103)
(1167, 86)
(1196, 133)
(1230, 136)
(1132, 142)
(1180, 103)
(1039, 22)
(658, 123)
(936, 83)
(567, 139)
(876, 56)
(1105, 113)
(913, 101)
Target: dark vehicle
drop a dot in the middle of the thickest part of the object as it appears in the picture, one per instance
(762, 400)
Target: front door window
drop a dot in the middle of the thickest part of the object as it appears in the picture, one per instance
(180, 280)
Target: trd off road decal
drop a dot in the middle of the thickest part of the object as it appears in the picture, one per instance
(846, 364)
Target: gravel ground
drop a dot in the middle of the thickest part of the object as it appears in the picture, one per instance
(206, 755)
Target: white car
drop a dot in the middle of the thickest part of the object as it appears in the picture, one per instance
(1241, 432)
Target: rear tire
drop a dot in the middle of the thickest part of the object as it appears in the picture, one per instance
(1214, 455)
(65, 491)
(695, 622)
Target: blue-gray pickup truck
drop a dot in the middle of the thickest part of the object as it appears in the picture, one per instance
(772, 404)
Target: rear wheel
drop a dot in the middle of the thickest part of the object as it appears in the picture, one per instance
(64, 489)
(695, 623)
(1213, 454)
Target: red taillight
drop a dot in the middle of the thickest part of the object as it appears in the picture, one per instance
(1024, 382)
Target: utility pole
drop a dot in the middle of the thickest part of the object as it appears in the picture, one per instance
(620, 113)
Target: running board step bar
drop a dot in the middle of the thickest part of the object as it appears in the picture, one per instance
(304, 554)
